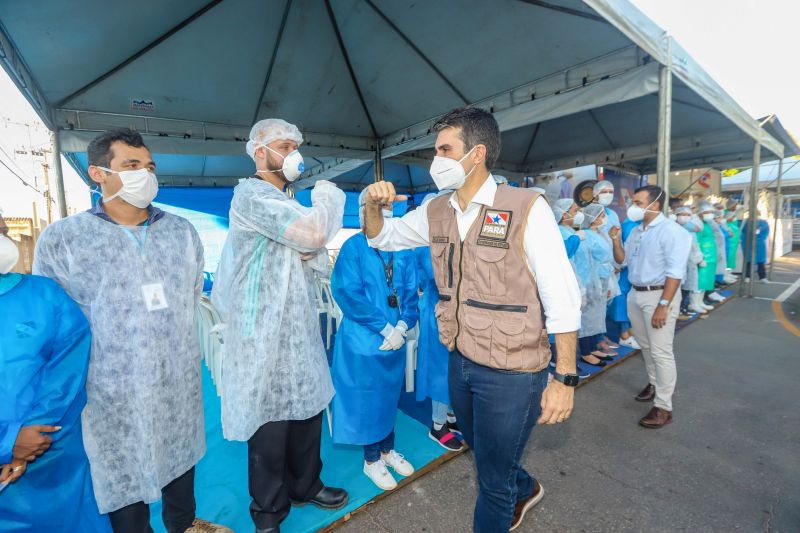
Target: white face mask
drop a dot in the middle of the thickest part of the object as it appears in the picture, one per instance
(293, 165)
(605, 198)
(577, 219)
(684, 219)
(139, 187)
(636, 213)
(448, 173)
(9, 254)
(708, 217)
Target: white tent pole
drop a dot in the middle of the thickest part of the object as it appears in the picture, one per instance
(750, 238)
(778, 208)
(62, 198)
(664, 127)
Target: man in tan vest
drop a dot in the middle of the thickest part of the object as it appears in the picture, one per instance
(504, 282)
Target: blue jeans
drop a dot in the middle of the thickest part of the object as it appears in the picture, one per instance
(372, 452)
(496, 411)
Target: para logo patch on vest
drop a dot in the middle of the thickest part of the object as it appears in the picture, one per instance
(495, 225)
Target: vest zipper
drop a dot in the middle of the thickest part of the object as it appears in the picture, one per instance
(458, 290)
(498, 307)
(450, 265)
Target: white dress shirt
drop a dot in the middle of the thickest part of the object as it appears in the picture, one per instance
(544, 249)
(657, 252)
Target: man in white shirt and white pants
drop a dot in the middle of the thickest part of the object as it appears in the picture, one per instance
(504, 282)
(656, 253)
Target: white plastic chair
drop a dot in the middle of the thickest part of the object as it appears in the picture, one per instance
(412, 345)
(210, 337)
(323, 306)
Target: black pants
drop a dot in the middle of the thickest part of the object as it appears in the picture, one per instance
(284, 464)
(178, 508)
(761, 267)
(586, 345)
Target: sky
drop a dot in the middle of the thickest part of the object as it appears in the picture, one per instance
(748, 46)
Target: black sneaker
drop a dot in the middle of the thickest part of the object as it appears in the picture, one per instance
(446, 439)
(453, 426)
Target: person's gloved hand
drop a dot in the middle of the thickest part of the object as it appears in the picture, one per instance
(403, 327)
(702, 263)
(581, 234)
(394, 338)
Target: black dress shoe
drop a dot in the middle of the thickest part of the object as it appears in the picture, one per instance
(327, 498)
(647, 394)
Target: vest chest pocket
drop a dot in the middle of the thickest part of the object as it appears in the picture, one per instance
(490, 270)
(442, 255)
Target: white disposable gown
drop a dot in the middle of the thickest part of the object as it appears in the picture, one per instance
(274, 366)
(143, 421)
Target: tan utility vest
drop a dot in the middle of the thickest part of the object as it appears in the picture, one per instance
(489, 304)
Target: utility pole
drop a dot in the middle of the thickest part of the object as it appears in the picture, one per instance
(47, 197)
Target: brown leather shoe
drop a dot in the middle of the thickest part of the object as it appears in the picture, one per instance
(647, 394)
(656, 418)
(523, 506)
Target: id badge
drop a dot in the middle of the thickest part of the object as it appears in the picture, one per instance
(154, 298)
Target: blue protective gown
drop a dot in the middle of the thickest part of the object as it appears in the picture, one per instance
(432, 355)
(367, 380)
(762, 230)
(618, 308)
(44, 357)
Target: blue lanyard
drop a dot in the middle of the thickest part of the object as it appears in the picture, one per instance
(138, 243)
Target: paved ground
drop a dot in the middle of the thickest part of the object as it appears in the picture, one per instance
(729, 462)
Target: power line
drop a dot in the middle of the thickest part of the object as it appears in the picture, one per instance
(20, 178)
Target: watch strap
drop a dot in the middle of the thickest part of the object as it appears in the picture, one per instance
(570, 380)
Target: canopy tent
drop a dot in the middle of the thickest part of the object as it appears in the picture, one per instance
(570, 82)
(767, 177)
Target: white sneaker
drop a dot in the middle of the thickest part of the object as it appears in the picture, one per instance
(379, 475)
(747, 280)
(765, 281)
(698, 310)
(630, 342)
(707, 307)
(730, 279)
(716, 297)
(398, 463)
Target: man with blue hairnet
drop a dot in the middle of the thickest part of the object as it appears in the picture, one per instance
(137, 273)
(377, 293)
(44, 353)
(275, 380)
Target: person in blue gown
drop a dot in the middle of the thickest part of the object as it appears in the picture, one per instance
(377, 293)
(44, 356)
(762, 235)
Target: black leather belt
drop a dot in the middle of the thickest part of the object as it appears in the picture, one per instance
(647, 288)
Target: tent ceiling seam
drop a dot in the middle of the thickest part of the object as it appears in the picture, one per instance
(343, 50)
(175, 29)
(418, 51)
(567, 10)
(602, 130)
(530, 144)
(696, 106)
(272, 59)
